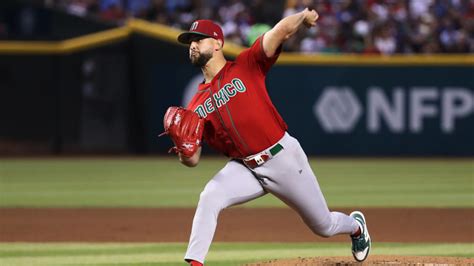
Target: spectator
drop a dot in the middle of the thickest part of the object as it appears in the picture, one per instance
(345, 26)
(82, 7)
(157, 12)
(137, 8)
(385, 41)
(113, 12)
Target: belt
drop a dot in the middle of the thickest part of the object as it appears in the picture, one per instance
(258, 159)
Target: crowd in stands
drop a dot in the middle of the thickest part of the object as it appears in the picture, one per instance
(345, 26)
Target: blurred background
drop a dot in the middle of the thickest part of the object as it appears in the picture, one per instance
(374, 78)
(380, 94)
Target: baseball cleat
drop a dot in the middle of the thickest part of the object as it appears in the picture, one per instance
(361, 243)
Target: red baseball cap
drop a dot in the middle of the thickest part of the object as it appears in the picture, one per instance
(203, 27)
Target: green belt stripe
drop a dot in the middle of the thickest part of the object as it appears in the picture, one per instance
(276, 149)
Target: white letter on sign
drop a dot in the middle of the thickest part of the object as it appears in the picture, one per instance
(379, 107)
(419, 109)
(456, 103)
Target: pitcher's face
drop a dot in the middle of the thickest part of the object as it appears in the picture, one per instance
(201, 50)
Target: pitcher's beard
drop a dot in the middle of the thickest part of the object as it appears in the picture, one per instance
(201, 60)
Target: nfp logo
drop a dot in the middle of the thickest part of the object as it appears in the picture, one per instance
(399, 110)
(338, 109)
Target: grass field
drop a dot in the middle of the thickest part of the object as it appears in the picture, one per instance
(221, 253)
(163, 182)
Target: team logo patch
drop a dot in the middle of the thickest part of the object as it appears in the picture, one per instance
(194, 26)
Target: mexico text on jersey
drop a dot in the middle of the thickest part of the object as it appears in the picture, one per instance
(221, 97)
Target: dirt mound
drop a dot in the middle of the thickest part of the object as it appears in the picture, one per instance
(372, 260)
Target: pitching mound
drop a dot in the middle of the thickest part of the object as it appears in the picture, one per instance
(372, 260)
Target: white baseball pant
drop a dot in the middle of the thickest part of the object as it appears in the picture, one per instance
(287, 175)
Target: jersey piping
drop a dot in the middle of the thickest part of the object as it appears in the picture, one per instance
(232, 121)
(219, 114)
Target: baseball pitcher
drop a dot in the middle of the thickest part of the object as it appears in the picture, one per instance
(233, 113)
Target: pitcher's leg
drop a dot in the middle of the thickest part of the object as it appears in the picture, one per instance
(290, 178)
(308, 200)
(232, 185)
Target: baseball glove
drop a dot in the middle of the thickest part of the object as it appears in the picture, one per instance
(185, 128)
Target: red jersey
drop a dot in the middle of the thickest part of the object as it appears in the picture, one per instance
(240, 119)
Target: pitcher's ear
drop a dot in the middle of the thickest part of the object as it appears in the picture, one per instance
(220, 45)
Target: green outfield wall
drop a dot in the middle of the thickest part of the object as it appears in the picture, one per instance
(377, 110)
(107, 91)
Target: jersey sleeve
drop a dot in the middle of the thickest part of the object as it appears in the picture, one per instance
(255, 57)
